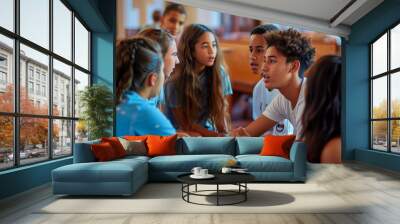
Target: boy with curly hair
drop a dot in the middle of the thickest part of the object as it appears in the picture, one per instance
(288, 55)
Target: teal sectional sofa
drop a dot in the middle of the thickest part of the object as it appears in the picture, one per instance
(125, 176)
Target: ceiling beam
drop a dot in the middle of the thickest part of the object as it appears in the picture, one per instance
(270, 15)
(346, 12)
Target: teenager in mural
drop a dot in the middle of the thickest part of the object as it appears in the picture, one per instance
(169, 54)
(287, 55)
(140, 76)
(321, 116)
(173, 19)
(196, 93)
(261, 95)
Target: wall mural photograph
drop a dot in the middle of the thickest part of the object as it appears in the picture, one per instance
(187, 71)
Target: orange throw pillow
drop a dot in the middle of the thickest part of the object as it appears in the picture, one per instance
(116, 145)
(161, 145)
(277, 145)
(103, 151)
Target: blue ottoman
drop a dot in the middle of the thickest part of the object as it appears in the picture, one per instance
(118, 177)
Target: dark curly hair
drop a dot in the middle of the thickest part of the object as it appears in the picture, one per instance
(321, 115)
(294, 46)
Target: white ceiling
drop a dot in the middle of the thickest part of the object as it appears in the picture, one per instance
(314, 15)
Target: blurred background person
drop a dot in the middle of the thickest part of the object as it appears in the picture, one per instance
(173, 19)
(156, 16)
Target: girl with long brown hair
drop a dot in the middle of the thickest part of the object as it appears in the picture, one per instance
(196, 94)
(321, 116)
(139, 77)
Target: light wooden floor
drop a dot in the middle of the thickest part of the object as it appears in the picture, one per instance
(378, 188)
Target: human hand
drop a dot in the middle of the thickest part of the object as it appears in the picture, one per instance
(222, 134)
(181, 133)
(240, 131)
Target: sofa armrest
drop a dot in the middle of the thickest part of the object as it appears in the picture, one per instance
(83, 153)
(298, 155)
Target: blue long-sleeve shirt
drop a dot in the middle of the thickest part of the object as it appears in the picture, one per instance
(138, 116)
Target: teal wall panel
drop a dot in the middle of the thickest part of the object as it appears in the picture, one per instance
(24, 178)
(356, 98)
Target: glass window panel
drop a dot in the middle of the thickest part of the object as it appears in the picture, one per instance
(62, 138)
(35, 21)
(6, 74)
(379, 55)
(81, 81)
(62, 89)
(395, 136)
(395, 47)
(395, 95)
(81, 131)
(81, 45)
(62, 29)
(33, 140)
(7, 14)
(31, 58)
(379, 97)
(379, 135)
(6, 142)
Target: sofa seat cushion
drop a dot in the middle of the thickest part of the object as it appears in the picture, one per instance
(185, 163)
(257, 163)
(133, 158)
(112, 171)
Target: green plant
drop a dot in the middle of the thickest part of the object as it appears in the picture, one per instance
(96, 102)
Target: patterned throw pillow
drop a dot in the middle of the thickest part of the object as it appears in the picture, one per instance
(134, 147)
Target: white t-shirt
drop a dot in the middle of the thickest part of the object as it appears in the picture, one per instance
(262, 97)
(281, 108)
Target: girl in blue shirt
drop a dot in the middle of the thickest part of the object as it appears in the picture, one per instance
(196, 93)
(139, 77)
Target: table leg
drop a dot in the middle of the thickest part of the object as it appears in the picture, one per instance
(245, 193)
(217, 194)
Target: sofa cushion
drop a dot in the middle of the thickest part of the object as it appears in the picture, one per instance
(185, 163)
(161, 145)
(206, 145)
(134, 147)
(257, 163)
(103, 152)
(249, 145)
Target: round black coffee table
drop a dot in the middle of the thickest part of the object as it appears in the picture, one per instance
(238, 179)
